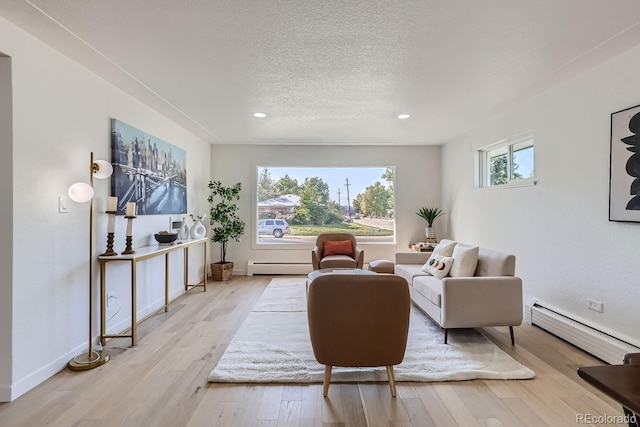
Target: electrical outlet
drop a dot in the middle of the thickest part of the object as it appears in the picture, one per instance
(594, 305)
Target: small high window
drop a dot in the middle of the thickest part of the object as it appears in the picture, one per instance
(508, 162)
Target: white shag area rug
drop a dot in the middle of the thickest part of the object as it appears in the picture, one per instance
(273, 345)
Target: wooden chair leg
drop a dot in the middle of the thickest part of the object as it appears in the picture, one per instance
(446, 335)
(513, 340)
(327, 380)
(392, 380)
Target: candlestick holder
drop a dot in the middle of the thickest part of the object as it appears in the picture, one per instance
(129, 248)
(110, 234)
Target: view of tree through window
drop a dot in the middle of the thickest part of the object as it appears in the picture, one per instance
(295, 204)
(509, 162)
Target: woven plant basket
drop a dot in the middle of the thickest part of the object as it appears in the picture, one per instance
(221, 272)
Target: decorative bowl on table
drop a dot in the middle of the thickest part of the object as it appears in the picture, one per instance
(166, 238)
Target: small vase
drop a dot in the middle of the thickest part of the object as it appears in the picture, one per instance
(430, 234)
(184, 231)
(197, 229)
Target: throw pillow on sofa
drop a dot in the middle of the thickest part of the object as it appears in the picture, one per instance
(465, 260)
(442, 250)
(439, 265)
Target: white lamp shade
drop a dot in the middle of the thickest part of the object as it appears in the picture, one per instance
(104, 169)
(81, 192)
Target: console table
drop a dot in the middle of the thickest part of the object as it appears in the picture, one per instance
(142, 254)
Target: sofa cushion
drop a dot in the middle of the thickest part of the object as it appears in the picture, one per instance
(465, 260)
(337, 247)
(409, 271)
(429, 287)
(445, 247)
(438, 265)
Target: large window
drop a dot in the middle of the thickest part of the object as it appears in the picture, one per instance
(295, 204)
(508, 162)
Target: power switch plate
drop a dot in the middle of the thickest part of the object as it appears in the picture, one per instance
(63, 204)
(594, 305)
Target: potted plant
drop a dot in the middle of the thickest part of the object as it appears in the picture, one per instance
(430, 215)
(225, 224)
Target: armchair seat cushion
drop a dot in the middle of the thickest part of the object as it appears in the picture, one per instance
(338, 261)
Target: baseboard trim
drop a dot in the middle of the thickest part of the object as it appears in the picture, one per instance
(255, 267)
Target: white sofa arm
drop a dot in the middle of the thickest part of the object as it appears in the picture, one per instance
(412, 257)
(481, 301)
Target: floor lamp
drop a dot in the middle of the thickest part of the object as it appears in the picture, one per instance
(81, 192)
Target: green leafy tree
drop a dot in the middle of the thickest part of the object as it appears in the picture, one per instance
(314, 201)
(498, 170)
(389, 176)
(287, 185)
(376, 199)
(266, 186)
(359, 204)
(224, 220)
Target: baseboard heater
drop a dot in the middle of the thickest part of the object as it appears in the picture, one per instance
(261, 267)
(600, 344)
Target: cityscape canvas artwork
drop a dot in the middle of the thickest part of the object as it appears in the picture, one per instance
(624, 183)
(148, 171)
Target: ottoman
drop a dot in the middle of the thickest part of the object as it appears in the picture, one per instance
(381, 266)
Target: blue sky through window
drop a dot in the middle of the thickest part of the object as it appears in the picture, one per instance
(359, 178)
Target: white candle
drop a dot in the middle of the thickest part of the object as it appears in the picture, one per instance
(112, 204)
(131, 209)
(111, 225)
(129, 226)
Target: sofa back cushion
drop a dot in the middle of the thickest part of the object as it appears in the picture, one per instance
(494, 263)
(444, 247)
(465, 260)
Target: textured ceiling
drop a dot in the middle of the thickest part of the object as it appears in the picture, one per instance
(331, 72)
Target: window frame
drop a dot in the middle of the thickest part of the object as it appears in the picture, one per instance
(483, 175)
(305, 245)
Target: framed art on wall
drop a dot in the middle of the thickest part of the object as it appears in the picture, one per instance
(148, 171)
(624, 177)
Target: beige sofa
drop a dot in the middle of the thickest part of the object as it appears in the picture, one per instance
(492, 297)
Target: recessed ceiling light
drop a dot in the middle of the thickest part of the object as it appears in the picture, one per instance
(259, 115)
(403, 116)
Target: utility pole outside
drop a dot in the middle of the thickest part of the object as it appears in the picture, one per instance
(339, 207)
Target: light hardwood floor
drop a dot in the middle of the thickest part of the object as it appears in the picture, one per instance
(163, 382)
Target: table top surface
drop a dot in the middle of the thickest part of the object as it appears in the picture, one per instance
(620, 382)
(323, 271)
(146, 251)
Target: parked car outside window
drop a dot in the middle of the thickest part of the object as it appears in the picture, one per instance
(277, 227)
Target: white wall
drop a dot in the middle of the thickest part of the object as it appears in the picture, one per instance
(417, 184)
(567, 250)
(61, 112)
(6, 213)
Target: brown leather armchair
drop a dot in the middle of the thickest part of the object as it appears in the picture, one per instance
(358, 320)
(355, 259)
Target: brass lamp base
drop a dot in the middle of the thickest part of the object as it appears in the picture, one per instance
(82, 362)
